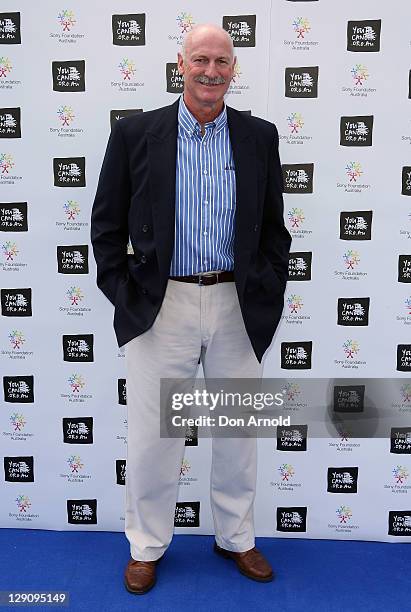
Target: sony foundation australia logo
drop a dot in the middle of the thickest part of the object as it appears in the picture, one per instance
(10, 123)
(293, 397)
(126, 71)
(18, 389)
(11, 257)
(10, 29)
(350, 263)
(405, 319)
(359, 76)
(353, 311)
(399, 522)
(406, 181)
(65, 117)
(350, 350)
(129, 30)
(73, 298)
(75, 472)
(78, 348)
(19, 469)
(301, 82)
(71, 210)
(82, 511)
(16, 345)
(187, 514)
(185, 479)
(292, 519)
(356, 225)
(294, 310)
(286, 479)
(342, 479)
(298, 178)
(399, 478)
(6, 68)
(344, 520)
(296, 355)
(76, 389)
(292, 438)
(183, 24)
(67, 28)
(296, 221)
(353, 182)
(69, 76)
(295, 125)
(78, 430)
(72, 259)
(13, 217)
(356, 131)
(7, 165)
(16, 302)
(301, 40)
(241, 29)
(364, 36)
(17, 425)
(299, 266)
(69, 171)
(23, 514)
(400, 440)
(237, 85)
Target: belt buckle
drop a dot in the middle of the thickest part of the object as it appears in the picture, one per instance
(200, 280)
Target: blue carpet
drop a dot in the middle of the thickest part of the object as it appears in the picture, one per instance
(317, 575)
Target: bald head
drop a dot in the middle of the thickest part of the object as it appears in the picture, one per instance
(206, 31)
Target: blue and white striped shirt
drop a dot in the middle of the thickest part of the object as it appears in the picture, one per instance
(205, 196)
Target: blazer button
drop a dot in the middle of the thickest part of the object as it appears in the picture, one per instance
(255, 228)
(144, 291)
(145, 228)
(143, 259)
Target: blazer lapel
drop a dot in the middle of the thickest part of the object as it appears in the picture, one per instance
(162, 156)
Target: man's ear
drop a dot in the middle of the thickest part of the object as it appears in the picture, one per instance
(180, 63)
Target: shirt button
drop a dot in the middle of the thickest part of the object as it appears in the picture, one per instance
(205, 233)
(206, 202)
(145, 228)
(205, 171)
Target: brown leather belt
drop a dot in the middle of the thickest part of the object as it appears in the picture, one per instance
(206, 278)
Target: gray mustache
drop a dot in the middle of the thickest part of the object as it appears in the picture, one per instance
(206, 81)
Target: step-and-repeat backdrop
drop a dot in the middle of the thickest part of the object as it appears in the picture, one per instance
(335, 78)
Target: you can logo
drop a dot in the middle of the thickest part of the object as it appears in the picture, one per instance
(72, 259)
(66, 115)
(66, 20)
(349, 398)
(76, 382)
(356, 225)
(301, 82)
(116, 115)
(23, 503)
(404, 357)
(295, 122)
(353, 311)
(187, 514)
(10, 123)
(78, 348)
(122, 391)
(17, 339)
(129, 29)
(286, 471)
(19, 469)
(298, 178)
(16, 302)
(121, 469)
(399, 523)
(18, 389)
(299, 266)
(296, 355)
(301, 26)
(400, 474)
(351, 348)
(69, 171)
(241, 29)
(359, 74)
(292, 438)
(364, 36)
(175, 81)
(82, 511)
(404, 268)
(69, 76)
(17, 421)
(78, 430)
(296, 217)
(406, 181)
(10, 29)
(354, 171)
(5, 66)
(292, 519)
(74, 295)
(6, 163)
(356, 131)
(351, 259)
(400, 440)
(10, 250)
(13, 217)
(342, 479)
(295, 303)
(75, 464)
(344, 514)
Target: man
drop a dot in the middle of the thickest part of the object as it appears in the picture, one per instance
(197, 188)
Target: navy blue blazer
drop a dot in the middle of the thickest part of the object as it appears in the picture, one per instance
(135, 199)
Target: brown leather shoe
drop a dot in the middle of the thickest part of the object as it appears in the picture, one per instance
(140, 576)
(250, 563)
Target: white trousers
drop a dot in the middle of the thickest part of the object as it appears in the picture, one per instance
(193, 320)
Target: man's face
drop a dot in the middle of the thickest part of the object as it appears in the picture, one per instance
(207, 69)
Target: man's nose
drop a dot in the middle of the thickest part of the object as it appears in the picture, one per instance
(211, 70)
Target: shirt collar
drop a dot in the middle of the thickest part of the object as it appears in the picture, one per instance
(190, 124)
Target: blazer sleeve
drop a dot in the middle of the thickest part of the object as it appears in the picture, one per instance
(275, 239)
(109, 217)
